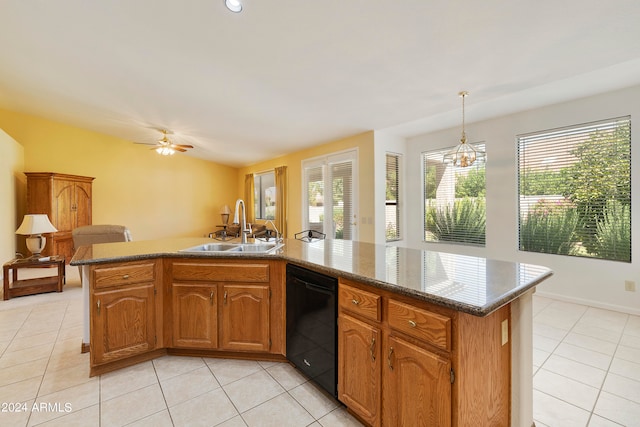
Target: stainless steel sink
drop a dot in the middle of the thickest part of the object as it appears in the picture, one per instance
(218, 248)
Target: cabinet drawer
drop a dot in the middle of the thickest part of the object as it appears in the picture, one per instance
(221, 272)
(123, 274)
(355, 300)
(421, 324)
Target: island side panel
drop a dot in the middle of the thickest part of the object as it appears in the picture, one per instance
(522, 360)
(84, 280)
(482, 365)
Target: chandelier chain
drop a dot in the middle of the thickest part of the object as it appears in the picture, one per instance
(463, 94)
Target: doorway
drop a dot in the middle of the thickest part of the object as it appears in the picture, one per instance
(329, 196)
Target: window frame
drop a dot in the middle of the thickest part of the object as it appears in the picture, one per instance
(397, 201)
(259, 193)
(465, 239)
(576, 151)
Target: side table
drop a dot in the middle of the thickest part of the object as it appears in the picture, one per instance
(17, 288)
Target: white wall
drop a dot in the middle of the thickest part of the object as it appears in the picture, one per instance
(595, 282)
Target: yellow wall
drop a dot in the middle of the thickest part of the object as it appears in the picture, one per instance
(364, 143)
(12, 183)
(155, 196)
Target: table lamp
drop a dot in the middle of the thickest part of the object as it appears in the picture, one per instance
(34, 225)
(224, 213)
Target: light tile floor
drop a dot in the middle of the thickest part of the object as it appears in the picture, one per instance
(586, 373)
(44, 379)
(586, 366)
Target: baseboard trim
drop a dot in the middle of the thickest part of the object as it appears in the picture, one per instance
(591, 303)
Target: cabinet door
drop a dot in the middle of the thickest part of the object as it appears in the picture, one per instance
(417, 386)
(195, 316)
(122, 323)
(63, 203)
(60, 244)
(359, 365)
(245, 317)
(82, 207)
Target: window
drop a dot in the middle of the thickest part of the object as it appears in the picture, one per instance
(575, 190)
(454, 200)
(392, 199)
(265, 195)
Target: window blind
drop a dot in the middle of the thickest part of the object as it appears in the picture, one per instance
(392, 199)
(341, 177)
(454, 200)
(575, 190)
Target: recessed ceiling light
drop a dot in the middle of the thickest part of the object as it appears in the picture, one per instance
(233, 5)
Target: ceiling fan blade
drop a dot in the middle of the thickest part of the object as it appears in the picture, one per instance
(183, 145)
(145, 143)
(182, 150)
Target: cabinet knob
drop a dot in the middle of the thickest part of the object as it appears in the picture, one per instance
(211, 298)
(355, 301)
(125, 277)
(225, 297)
(98, 304)
(412, 323)
(372, 349)
(389, 358)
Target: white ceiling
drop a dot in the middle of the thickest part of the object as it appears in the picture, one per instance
(288, 74)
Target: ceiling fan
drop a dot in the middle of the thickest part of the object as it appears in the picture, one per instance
(165, 146)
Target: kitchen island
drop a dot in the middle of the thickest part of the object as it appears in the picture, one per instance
(468, 317)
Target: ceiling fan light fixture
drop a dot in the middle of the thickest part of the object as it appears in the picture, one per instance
(233, 5)
(165, 151)
(464, 154)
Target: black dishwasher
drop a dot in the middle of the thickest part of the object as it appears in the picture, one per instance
(311, 325)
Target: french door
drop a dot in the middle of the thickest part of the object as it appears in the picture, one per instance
(329, 202)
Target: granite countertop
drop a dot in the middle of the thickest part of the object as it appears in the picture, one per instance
(473, 285)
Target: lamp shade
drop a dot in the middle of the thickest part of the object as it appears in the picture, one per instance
(35, 224)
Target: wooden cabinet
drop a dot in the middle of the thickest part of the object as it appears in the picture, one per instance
(123, 311)
(123, 323)
(405, 362)
(359, 367)
(417, 386)
(228, 305)
(195, 315)
(66, 200)
(245, 317)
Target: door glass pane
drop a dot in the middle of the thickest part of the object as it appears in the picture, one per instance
(315, 197)
(342, 206)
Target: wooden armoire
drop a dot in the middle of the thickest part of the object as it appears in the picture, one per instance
(66, 199)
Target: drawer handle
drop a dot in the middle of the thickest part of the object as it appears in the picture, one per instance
(125, 277)
(372, 349)
(389, 358)
(355, 301)
(412, 323)
(98, 304)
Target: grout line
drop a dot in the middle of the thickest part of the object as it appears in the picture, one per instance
(161, 391)
(599, 390)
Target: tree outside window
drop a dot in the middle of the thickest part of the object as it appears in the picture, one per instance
(575, 190)
(454, 200)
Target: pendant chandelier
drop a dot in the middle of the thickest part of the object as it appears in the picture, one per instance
(464, 154)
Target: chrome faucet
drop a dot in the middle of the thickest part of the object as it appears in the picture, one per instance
(274, 229)
(236, 220)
